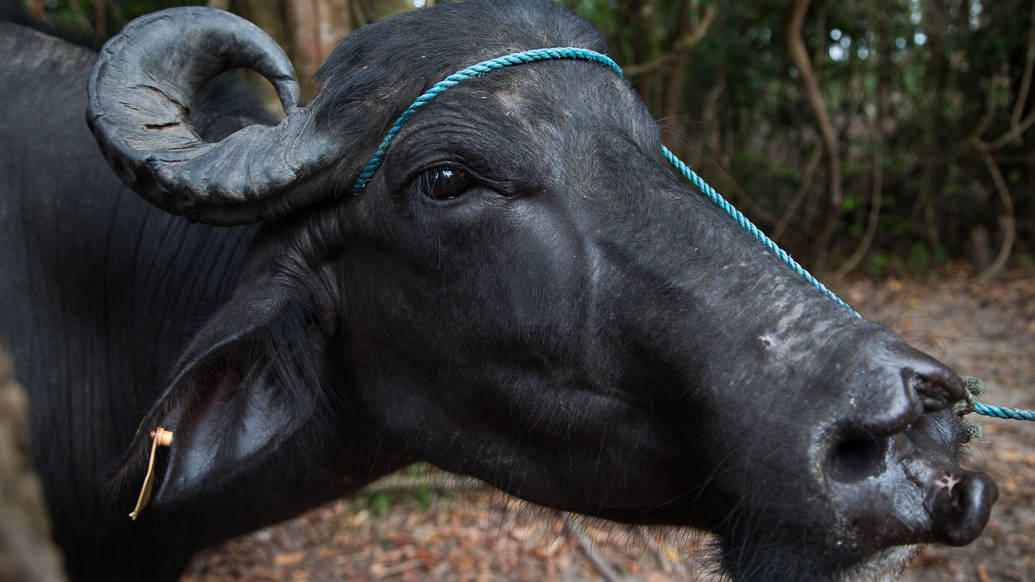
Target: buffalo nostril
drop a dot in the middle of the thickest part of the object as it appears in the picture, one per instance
(857, 457)
(962, 506)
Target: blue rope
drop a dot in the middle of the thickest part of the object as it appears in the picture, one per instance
(520, 58)
(743, 221)
(549, 54)
(1004, 412)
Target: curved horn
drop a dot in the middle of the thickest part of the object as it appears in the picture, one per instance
(140, 95)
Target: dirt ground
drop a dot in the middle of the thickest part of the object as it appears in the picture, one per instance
(476, 534)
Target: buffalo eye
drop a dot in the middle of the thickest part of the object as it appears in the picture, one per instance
(443, 183)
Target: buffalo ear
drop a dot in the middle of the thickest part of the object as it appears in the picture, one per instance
(250, 381)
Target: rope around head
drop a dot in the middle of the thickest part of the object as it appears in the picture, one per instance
(549, 54)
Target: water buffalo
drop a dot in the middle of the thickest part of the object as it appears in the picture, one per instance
(523, 293)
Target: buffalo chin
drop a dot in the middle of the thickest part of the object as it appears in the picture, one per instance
(779, 565)
(884, 566)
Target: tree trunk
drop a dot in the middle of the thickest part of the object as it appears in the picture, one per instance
(266, 14)
(677, 66)
(632, 12)
(938, 122)
(385, 8)
(26, 551)
(884, 49)
(795, 15)
(315, 27)
(37, 8)
(689, 33)
(710, 122)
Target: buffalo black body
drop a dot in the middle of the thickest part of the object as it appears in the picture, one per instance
(101, 292)
(523, 293)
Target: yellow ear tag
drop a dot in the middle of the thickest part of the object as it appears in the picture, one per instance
(159, 437)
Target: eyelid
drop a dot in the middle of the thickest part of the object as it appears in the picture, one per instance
(476, 160)
(444, 164)
(475, 179)
(481, 174)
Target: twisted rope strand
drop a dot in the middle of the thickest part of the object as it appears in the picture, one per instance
(702, 186)
(743, 221)
(476, 70)
(547, 54)
(1004, 412)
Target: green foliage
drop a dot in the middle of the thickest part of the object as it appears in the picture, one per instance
(850, 203)
(947, 72)
(878, 265)
(419, 497)
(918, 257)
(378, 504)
(1024, 261)
(94, 21)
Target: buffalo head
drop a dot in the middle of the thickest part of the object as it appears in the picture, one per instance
(523, 293)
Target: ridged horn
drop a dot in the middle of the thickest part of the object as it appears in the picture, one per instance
(140, 96)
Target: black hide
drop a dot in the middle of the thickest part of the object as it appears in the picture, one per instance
(523, 293)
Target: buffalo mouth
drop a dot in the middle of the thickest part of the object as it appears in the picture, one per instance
(884, 566)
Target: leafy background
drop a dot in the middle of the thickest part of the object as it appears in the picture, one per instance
(927, 105)
(889, 140)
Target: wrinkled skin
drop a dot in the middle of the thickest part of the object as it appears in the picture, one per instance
(524, 293)
(676, 364)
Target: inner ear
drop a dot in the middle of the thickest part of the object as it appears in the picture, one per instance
(243, 404)
(251, 380)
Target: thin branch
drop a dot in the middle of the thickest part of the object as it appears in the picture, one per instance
(871, 223)
(676, 74)
(878, 141)
(799, 196)
(100, 22)
(648, 67)
(690, 36)
(986, 121)
(758, 214)
(794, 16)
(1022, 94)
(683, 44)
(695, 37)
(1015, 131)
(821, 32)
(1007, 219)
(796, 10)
